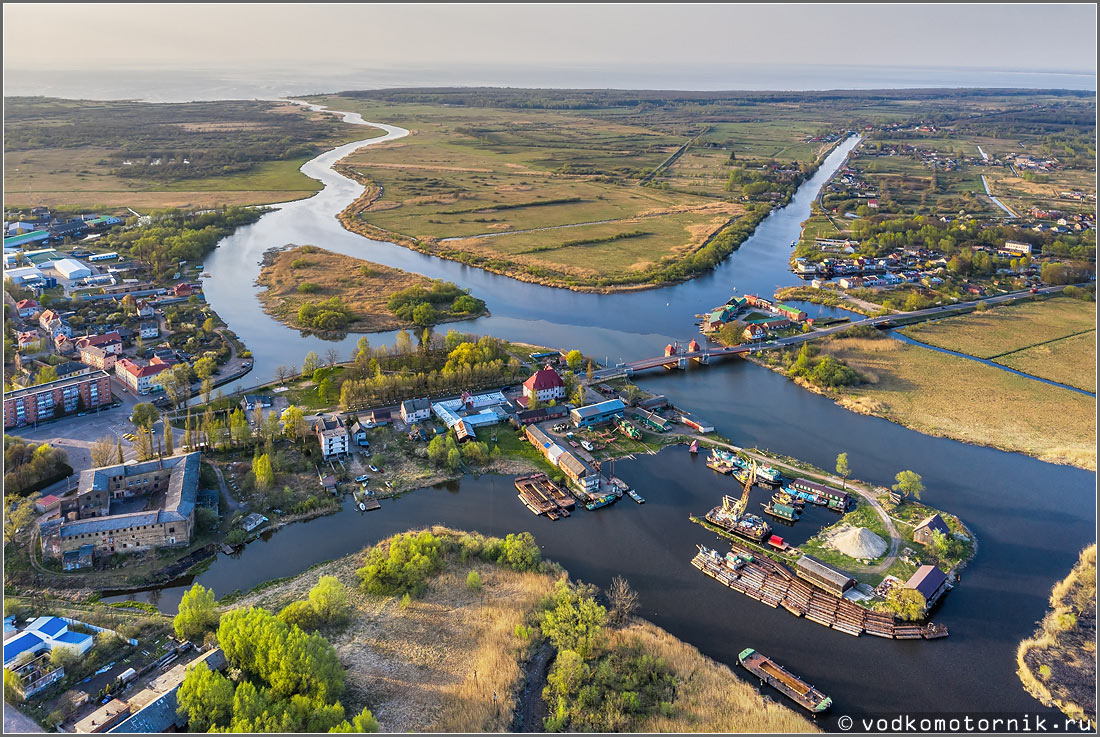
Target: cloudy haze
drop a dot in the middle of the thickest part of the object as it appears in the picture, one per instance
(91, 36)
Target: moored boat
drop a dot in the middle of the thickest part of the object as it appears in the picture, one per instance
(694, 447)
(791, 686)
(781, 511)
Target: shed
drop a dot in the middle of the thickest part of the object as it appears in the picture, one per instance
(823, 576)
(922, 533)
(930, 581)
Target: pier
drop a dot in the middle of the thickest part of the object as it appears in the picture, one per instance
(543, 497)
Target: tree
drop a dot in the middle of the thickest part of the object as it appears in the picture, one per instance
(362, 348)
(45, 374)
(908, 604)
(623, 600)
(262, 472)
(326, 390)
(574, 359)
(239, 430)
(589, 372)
(294, 422)
(282, 373)
(103, 452)
(454, 459)
(20, 513)
(575, 620)
(310, 364)
(144, 415)
(144, 443)
(909, 484)
(329, 599)
(121, 457)
(533, 401)
(520, 552)
(64, 657)
(197, 613)
(205, 697)
(206, 389)
(842, 467)
(169, 437)
(204, 367)
(403, 342)
(473, 581)
(13, 687)
(424, 315)
(332, 357)
(938, 544)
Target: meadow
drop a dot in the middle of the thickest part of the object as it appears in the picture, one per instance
(1070, 361)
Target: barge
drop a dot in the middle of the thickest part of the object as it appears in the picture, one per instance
(781, 511)
(748, 526)
(543, 497)
(635, 496)
(791, 686)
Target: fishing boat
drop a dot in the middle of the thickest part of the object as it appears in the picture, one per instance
(791, 686)
(694, 447)
(717, 464)
(781, 511)
(782, 497)
(769, 474)
(602, 501)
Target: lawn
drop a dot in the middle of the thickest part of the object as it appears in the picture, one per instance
(941, 394)
(1009, 328)
(1070, 361)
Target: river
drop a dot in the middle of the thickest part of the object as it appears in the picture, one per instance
(1031, 518)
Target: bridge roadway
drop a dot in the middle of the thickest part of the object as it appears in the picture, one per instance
(626, 369)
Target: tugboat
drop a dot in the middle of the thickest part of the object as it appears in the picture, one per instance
(768, 671)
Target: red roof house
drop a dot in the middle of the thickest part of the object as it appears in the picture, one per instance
(183, 289)
(544, 384)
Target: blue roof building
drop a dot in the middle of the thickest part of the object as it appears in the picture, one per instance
(24, 642)
(597, 414)
(46, 633)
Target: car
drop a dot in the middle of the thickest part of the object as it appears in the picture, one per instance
(587, 445)
(373, 467)
(361, 479)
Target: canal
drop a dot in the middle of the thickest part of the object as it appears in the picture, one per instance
(1031, 518)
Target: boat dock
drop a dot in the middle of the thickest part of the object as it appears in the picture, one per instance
(370, 503)
(774, 584)
(542, 496)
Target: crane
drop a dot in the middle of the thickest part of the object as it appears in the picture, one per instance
(736, 507)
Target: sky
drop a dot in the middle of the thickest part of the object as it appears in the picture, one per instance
(325, 37)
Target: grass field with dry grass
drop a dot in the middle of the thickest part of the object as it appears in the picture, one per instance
(1070, 361)
(434, 664)
(1058, 663)
(1008, 328)
(364, 286)
(940, 394)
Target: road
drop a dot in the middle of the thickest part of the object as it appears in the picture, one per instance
(15, 722)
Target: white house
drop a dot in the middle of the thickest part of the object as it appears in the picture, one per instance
(150, 330)
(332, 435)
(414, 410)
(46, 633)
(141, 379)
(544, 384)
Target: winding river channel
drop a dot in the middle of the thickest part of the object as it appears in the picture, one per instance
(1031, 518)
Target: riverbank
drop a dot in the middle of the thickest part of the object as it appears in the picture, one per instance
(455, 658)
(934, 393)
(308, 275)
(1058, 663)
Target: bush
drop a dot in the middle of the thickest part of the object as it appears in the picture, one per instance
(403, 565)
(520, 552)
(473, 581)
(308, 287)
(572, 618)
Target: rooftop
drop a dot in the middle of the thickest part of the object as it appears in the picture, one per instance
(59, 384)
(593, 410)
(813, 565)
(926, 580)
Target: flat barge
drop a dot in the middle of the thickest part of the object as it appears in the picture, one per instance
(748, 526)
(791, 686)
(772, 583)
(543, 497)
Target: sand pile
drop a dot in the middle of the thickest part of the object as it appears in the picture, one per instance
(855, 542)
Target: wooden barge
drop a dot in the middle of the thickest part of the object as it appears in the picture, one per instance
(774, 584)
(542, 496)
(791, 686)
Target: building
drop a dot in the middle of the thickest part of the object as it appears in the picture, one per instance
(378, 417)
(71, 269)
(141, 379)
(149, 329)
(110, 342)
(755, 332)
(476, 410)
(545, 385)
(1022, 249)
(183, 289)
(82, 557)
(255, 519)
(24, 276)
(28, 338)
(931, 582)
(922, 533)
(69, 369)
(358, 433)
(45, 633)
(55, 398)
(63, 345)
(414, 410)
(531, 416)
(26, 307)
(257, 401)
(836, 498)
(791, 313)
(598, 414)
(332, 435)
(579, 473)
(651, 420)
(98, 358)
(103, 718)
(128, 507)
(47, 503)
(823, 576)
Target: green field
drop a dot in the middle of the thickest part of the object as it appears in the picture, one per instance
(1010, 328)
(1070, 361)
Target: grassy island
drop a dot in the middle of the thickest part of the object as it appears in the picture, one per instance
(1058, 663)
(313, 289)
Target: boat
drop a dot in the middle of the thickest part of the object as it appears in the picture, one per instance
(694, 447)
(769, 474)
(782, 497)
(362, 507)
(635, 496)
(770, 672)
(601, 501)
(781, 511)
(806, 496)
(748, 526)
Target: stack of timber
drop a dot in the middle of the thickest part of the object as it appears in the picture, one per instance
(774, 584)
(542, 496)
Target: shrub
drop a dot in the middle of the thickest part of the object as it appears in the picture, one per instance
(308, 287)
(520, 552)
(403, 565)
(473, 581)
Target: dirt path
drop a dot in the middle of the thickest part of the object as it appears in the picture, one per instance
(530, 708)
(232, 503)
(895, 538)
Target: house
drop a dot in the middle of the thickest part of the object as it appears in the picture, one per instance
(56, 326)
(332, 436)
(359, 433)
(144, 309)
(579, 473)
(27, 338)
(257, 401)
(531, 416)
(378, 417)
(141, 379)
(475, 410)
(598, 414)
(545, 384)
(931, 582)
(47, 503)
(63, 344)
(110, 342)
(46, 318)
(82, 557)
(464, 431)
(1023, 249)
(252, 521)
(328, 483)
(71, 368)
(793, 314)
(149, 329)
(183, 289)
(922, 533)
(755, 332)
(26, 307)
(414, 410)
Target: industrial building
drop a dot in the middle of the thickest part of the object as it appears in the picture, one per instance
(598, 414)
(71, 269)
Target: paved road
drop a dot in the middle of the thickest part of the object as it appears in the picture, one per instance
(16, 722)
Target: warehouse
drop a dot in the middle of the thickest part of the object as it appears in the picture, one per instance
(825, 577)
(71, 269)
(598, 414)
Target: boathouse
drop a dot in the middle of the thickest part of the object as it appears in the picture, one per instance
(823, 576)
(579, 473)
(931, 582)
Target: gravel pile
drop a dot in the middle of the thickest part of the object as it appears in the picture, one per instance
(856, 542)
